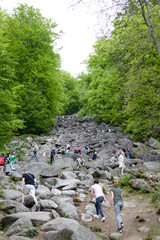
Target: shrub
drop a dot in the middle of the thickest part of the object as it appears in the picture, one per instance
(31, 232)
(124, 180)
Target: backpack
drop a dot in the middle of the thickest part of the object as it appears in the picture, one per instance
(1, 160)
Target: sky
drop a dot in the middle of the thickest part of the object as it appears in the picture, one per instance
(77, 25)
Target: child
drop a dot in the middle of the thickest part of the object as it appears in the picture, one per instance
(8, 168)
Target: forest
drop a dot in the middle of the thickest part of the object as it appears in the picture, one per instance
(121, 86)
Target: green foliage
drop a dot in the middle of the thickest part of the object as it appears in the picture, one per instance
(70, 102)
(124, 180)
(155, 232)
(123, 84)
(31, 232)
(104, 190)
(1, 190)
(155, 197)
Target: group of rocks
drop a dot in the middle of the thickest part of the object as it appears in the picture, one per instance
(61, 186)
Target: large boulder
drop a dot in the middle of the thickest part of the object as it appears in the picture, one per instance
(10, 207)
(74, 230)
(140, 184)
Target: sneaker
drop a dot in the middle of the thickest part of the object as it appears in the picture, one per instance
(103, 219)
(96, 216)
(122, 225)
(119, 230)
(22, 203)
(37, 207)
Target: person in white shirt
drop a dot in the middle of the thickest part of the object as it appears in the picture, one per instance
(97, 190)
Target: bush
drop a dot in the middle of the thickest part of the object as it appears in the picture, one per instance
(31, 232)
(124, 180)
(155, 197)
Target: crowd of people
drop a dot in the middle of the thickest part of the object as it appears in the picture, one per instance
(7, 164)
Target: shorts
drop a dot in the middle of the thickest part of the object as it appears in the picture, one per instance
(29, 189)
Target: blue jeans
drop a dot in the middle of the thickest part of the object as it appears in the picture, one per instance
(118, 207)
(99, 200)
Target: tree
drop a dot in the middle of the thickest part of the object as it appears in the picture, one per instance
(70, 100)
(32, 40)
(9, 123)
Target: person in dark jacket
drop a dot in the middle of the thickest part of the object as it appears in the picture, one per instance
(53, 153)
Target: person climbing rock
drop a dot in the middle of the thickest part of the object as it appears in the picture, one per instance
(116, 196)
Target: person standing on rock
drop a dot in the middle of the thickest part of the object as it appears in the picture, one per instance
(80, 162)
(53, 153)
(116, 196)
(97, 190)
(35, 154)
(27, 186)
(121, 162)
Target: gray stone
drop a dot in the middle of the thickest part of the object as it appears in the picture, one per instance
(67, 175)
(11, 194)
(90, 209)
(86, 217)
(68, 210)
(56, 192)
(43, 192)
(58, 224)
(69, 193)
(140, 184)
(115, 236)
(18, 238)
(143, 229)
(48, 204)
(10, 206)
(35, 217)
(18, 226)
(152, 166)
(67, 184)
(153, 143)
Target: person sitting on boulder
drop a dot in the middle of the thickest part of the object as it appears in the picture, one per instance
(59, 151)
(80, 162)
(113, 158)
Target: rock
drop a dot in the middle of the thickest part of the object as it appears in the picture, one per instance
(56, 192)
(10, 206)
(90, 209)
(29, 201)
(43, 192)
(143, 229)
(140, 184)
(18, 226)
(67, 184)
(152, 166)
(86, 217)
(11, 194)
(35, 217)
(153, 143)
(48, 204)
(68, 210)
(58, 224)
(115, 236)
(18, 238)
(69, 193)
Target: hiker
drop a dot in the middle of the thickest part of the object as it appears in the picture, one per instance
(44, 155)
(121, 162)
(53, 153)
(59, 151)
(76, 150)
(113, 158)
(80, 162)
(12, 159)
(8, 167)
(97, 190)
(27, 186)
(68, 147)
(94, 157)
(128, 153)
(116, 195)
(79, 150)
(2, 165)
(35, 154)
